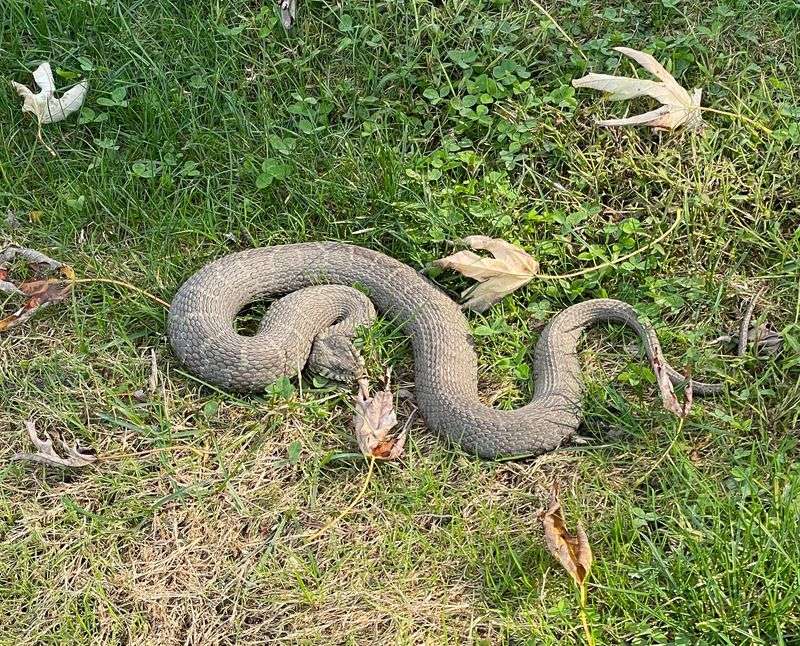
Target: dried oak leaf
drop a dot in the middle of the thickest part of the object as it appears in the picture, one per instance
(373, 419)
(679, 107)
(510, 269)
(44, 292)
(76, 455)
(572, 550)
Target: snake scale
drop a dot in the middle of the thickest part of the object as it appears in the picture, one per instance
(320, 312)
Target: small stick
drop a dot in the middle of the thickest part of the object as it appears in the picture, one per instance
(744, 326)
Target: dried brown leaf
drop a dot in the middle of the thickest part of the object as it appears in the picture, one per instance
(76, 455)
(679, 107)
(509, 269)
(571, 550)
(667, 390)
(373, 420)
(38, 294)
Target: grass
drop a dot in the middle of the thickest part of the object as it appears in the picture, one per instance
(207, 130)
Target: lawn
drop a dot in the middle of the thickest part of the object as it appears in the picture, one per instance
(402, 127)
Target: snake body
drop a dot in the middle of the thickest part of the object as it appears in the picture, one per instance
(318, 279)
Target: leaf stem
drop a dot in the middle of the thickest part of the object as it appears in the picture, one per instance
(122, 283)
(41, 139)
(349, 507)
(584, 618)
(741, 117)
(616, 261)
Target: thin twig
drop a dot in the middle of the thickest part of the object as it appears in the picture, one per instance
(744, 326)
(122, 283)
(616, 261)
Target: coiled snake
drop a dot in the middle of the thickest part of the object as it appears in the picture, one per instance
(321, 311)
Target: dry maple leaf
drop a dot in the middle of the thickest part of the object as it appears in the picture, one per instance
(374, 418)
(43, 105)
(572, 550)
(510, 269)
(76, 455)
(679, 107)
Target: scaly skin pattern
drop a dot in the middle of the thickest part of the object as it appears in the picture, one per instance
(201, 328)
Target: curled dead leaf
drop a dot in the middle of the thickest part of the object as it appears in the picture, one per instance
(39, 293)
(679, 107)
(509, 269)
(43, 104)
(571, 550)
(667, 390)
(374, 418)
(75, 455)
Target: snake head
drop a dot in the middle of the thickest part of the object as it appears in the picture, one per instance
(335, 357)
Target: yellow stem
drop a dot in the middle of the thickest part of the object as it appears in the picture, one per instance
(741, 117)
(584, 618)
(41, 139)
(122, 283)
(349, 507)
(616, 261)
